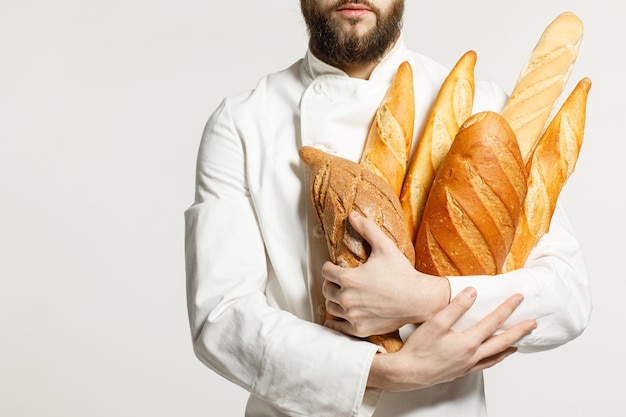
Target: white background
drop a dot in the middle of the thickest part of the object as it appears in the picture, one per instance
(102, 105)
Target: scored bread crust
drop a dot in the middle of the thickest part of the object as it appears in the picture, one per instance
(451, 108)
(552, 163)
(474, 203)
(388, 145)
(340, 186)
(542, 80)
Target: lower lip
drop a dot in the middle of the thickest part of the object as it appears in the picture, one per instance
(354, 13)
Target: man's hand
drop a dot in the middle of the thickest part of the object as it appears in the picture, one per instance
(434, 353)
(384, 293)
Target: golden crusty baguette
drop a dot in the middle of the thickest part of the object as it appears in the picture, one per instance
(388, 145)
(552, 163)
(340, 186)
(451, 108)
(474, 204)
(542, 80)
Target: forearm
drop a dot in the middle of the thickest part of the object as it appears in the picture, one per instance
(297, 366)
(435, 354)
(428, 296)
(555, 288)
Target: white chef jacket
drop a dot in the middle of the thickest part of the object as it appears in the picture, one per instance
(254, 250)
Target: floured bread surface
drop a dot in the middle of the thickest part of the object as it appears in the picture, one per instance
(542, 80)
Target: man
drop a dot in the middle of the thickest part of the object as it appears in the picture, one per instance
(259, 280)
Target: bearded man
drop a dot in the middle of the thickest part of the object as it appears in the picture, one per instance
(258, 277)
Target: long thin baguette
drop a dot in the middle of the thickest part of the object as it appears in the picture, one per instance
(388, 144)
(451, 108)
(552, 163)
(542, 80)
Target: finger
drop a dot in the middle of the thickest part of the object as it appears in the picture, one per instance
(370, 231)
(332, 272)
(495, 320)
(450, 314)
(492, 360)
(330, 291)
(506, 339)
(335, 310)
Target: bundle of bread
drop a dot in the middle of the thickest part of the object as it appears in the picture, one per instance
(480, 189)
(479, 218)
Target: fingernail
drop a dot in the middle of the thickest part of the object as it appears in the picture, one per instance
(355, 214)
(470, 292)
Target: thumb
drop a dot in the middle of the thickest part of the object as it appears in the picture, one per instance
(370, 231)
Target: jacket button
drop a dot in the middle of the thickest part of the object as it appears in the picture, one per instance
(321, 310)
(318, 88)
(318, 231)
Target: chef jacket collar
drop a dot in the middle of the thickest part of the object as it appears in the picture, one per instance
(313, 67)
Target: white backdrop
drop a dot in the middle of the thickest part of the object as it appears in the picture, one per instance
(101, 109)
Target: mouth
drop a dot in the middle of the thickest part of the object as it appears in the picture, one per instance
(353, 10)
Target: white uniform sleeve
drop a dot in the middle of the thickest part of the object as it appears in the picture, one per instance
(555, 286)
(300, 368)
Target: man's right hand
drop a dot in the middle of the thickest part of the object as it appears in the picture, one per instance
(384, 293)
(434, 353)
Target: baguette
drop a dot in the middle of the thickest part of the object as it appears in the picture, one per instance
(542, 80)
(340, 186)
(388, 145)
(452, 107)
(474, 204)
(552, 163)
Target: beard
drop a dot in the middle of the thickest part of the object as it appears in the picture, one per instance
(331, 43)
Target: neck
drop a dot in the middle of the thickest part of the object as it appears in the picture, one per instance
(362, 71)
